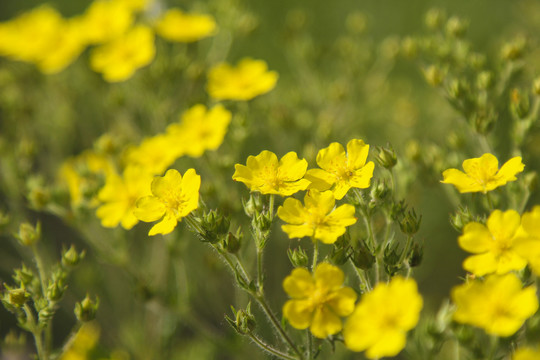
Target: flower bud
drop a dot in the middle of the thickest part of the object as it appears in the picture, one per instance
(362, 258)
(86, 309)
(55, 291)
(416, 255)
(435, 18)
(71, 257)
(515, 49)
(484, 80)
(29, 235)
(254, 205)
(434, 76)
(262, 222)
(298, 257)
(232, 243)
(243, 322)
(456, 27)
(410, 223)
(391, 261)
(519, 104)
(18, 297)
(461, 218)
(409, 47)
(386, 157)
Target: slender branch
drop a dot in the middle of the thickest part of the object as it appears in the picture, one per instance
(41, 270)
(268, 348)
(315, 253)
(260, 276)
(271, 206)
(36, 332)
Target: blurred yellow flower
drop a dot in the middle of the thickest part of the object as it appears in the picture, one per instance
(199, 130)
(342, 170)
(317, 218)
(526, 354)
(175, 25)
(119, 59)
(498, 305)
(120, 194)
(106, 20)
(483, 174)
(85, 340)
(318, 301)
(135, 5)
(155, 154)
(529, 244)
(173, 197)
(266, 175)
(247, 80)
(494, 243)
(380, 322)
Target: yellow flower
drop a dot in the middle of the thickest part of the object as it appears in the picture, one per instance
(498, 305)
(318, 218)
(106, 20)
(494, 243)
(380, 322)
(529, 244)
(318, 301)
(135, 5)
(85, 340)
(155, 154)
(175, 25)
(483, 174)
(120, 58)
(119, 195)
(342, 170)
(526, 354)
(199, 130)
(266, 175)
(173, 197)
(247, 80)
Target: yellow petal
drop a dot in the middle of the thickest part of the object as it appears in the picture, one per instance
(342, 301)
(292, 211)
(328, 276)
(149, 208)
(503, 225)
(325, 323)
(481, 265)
(299, 284)
(463, 182)
(476, 238)
(297, 231)
(320, 179)
(362, 177)
(298, 313)
(510, 168)
(390, 344)
(291, 168)
(170, 183)
(357, 152)
(332, 157)
(165, 226)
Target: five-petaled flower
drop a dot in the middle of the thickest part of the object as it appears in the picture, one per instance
(175, 25)
(380, 322)
(317, 218)
(343, 170)
(250, 78)
(483, 174)
(173, 198)
(499, 305)
(265, 174)
(318, 301)
(529, 245)
(494, 244)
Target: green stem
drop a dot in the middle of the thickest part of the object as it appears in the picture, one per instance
(315, 253)
(309, 344)
(490, 201)
(406, 249)
(41, 270)
(364, 281)
(36, 332)
(271, 206)
(269, 349)
(260, 276)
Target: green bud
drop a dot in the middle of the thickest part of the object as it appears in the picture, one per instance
(398, 209)
(71, 257)
(55, 291)
(262, 222)
(435, 18)
(298, 257)
(461, 218)
(409, 47)
(29, 235)
(410, 223)
(515, 49)
(531, 181)
(536, 86)
(391, 261)
(483, 121)
(243, 322)
(339, 255)
(24, 276)
(18, 297)
(386, 157)
(456, 27)
(519, 104)
(416, 255)
(362, 258)
(86, 309)
(434, 76)
(380, 191)
(254, 205)
(232, 243)
(457, 89)
(484, 80)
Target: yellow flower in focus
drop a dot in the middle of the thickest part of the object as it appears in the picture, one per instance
(175, 25)
(526, 354)
(318, 301)
(529, 244)
(483, 174)
(119, 59)
(119, 196)
(380, 322)
(155, 154)
(263, 173)
(106, 20)
(342, 170)
(85, 340)
(498, 305)
(317, 218)
(199, 130)
(247, 80)
(173, 197)
(494, 243)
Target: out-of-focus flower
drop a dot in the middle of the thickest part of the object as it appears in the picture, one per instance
(341, 169)
(85, 340)
(135, 5)
(263, 173)
(494, 244)
(526, 354)
(498, 305)
(173, 198)
(199, 130)
(529, 244)
(317, 218)
(119, 59)
(483, 174)
(318, 301)
(247, 80)
(380, 322)
(106, 20)
(119, 196)
(175, 25)
(155, 154)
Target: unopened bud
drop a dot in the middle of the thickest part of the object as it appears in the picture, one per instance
(362, 258)
(519, 104)
(435, 18)
(254, 205)
(386, 157)
(484, 80)
(409, 47)
(461, 218)
(298, 257)
(86, 309)
(18, 297)
(416, 255)
(24, 276)
(71, 257)
(55, 291)
(434, 76)
(29, 235)
(456, 27)
(515, 49)
(243, 322)
(232, 243)
(410, 223)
